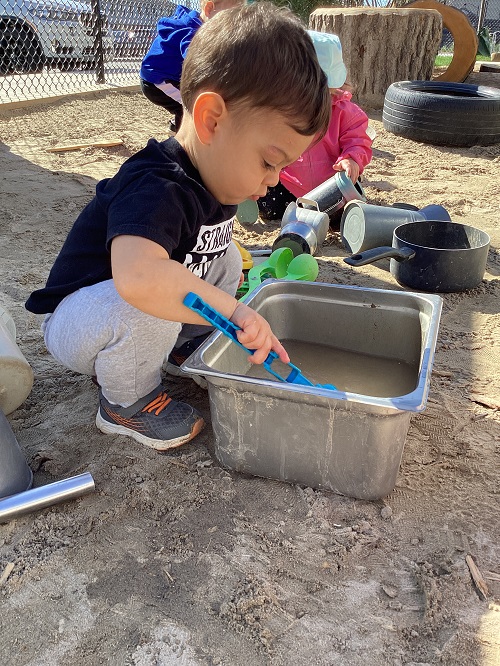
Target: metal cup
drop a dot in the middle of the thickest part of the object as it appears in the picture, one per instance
(332, 195)
(364, 226)
(15, 474)
(303, 227)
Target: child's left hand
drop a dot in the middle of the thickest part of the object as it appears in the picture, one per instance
(349, 166)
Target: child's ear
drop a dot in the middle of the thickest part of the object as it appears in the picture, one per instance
(208, 8)
(209, 110)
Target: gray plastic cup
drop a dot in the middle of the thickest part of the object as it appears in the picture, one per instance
(364, 226)
(15, 474)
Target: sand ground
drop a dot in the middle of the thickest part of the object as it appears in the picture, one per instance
(174, 560)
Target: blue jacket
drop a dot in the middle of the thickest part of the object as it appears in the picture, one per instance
(163, 61)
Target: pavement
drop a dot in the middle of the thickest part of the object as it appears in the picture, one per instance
(22, 89)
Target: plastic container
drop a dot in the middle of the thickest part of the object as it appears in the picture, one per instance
(16, 375)
(347, 442)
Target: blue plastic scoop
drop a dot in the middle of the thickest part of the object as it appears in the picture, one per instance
(196, 304)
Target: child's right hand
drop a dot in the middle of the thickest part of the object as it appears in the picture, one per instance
(257, 334)
(350, 166)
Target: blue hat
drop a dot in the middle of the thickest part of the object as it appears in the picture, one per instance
(329, 51)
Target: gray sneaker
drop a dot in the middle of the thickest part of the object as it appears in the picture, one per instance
(180, 354)
(156, 420)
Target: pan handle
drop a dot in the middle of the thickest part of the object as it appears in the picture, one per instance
(376, 253)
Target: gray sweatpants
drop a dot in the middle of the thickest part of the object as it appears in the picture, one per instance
(93, 331)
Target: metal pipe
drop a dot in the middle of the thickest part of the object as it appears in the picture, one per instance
(261, 253)
(97, 33)
(483, 5)
(39, 498)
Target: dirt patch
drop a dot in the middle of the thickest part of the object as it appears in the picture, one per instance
(175, 560)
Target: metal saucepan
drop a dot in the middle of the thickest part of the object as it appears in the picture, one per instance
(434, 256)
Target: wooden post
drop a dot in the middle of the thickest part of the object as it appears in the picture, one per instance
(382, 45)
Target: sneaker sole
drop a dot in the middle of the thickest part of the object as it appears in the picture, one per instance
(174, 370)
(157, 444)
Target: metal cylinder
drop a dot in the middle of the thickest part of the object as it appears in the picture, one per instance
(15, 474)
(38, 498)
(299, 237)
(332, 195)
(303, 227)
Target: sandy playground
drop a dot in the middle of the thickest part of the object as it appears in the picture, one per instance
(176, 561)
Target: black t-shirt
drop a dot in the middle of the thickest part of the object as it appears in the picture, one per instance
(157, 194)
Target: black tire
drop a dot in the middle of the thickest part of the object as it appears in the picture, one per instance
(443, 113)
(20, 50)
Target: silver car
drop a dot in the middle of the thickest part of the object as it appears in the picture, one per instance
(63, 33)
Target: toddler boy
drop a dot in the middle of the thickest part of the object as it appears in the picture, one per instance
(162, 226)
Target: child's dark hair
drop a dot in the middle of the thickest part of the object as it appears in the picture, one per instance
(259, 56)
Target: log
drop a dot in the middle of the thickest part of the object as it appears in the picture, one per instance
(464, 39)
(382, 45)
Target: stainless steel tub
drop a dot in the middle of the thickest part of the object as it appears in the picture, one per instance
(345, 442)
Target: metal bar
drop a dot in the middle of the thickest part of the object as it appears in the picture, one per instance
(51, 493)
(261, 253)
(98, 47)
(483, 5)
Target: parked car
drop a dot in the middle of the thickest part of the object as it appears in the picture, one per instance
(133, 40)
(35, 33)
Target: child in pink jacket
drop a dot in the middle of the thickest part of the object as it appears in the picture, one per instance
(345, 147)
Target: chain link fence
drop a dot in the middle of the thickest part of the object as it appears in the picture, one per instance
(55, 47)
(480, 15)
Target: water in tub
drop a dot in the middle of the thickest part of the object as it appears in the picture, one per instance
(347, 370)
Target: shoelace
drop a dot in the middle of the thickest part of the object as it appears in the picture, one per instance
(158, 404)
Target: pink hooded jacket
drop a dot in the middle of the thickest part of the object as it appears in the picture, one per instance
(346, 137)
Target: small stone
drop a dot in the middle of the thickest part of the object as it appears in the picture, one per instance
(365, 526)
(414, 634)
(390, 590)
(386, 512)
(414, 542)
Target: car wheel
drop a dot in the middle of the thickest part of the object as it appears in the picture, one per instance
(20, 51)
(87, 64)
(443, 113)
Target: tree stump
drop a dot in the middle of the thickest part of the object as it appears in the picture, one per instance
(382, 45)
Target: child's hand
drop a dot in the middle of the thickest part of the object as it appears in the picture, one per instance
(257, 334)
(349, 166)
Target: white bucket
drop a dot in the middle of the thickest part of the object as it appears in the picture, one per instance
(16, 375)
